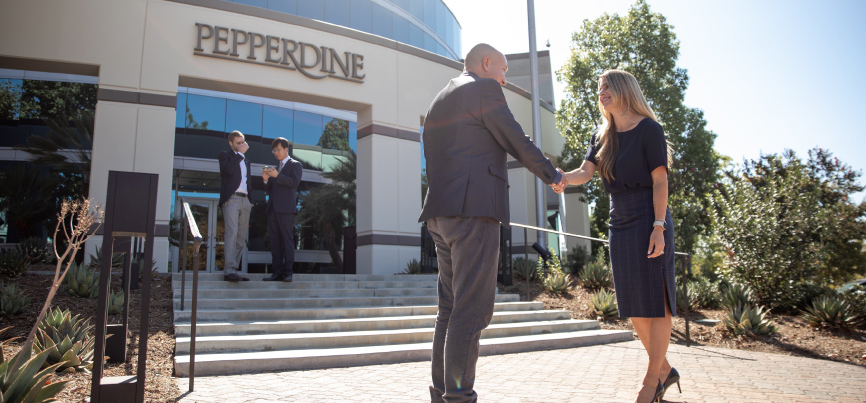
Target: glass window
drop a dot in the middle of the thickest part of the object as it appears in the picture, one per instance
(353, 136)
(277, 122)
(244, 116)
(430, 13)
(441, 12)
(255, 3)
(335, 135)
(448, 34)
(313, 9)
(416, 36)
(180, 114)
(416, 8)
(338, 12)
(382, 24)
(362, 15)
(401, 29)
(10, 99)
(457, 45)
(308, 128)
(206, 113)
(404, 4)
(429, 43)
(284, 6)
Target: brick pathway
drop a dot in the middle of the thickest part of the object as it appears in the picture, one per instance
(607, 373)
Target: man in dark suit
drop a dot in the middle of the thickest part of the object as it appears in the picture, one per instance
(468, 133)
(282, 187)
(236, 202)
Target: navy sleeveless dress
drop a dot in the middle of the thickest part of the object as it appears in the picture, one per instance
(639, 282)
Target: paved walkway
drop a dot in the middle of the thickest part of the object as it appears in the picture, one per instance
(607, 373)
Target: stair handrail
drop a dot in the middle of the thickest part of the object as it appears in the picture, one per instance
(685, 257)
(188, 220)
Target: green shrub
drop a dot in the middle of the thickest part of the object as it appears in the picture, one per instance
(831, 312)
(82, 281)
(736, 295)
(96, 259)
(12, 301)
(692, 299)
(13, 263)
(578, 258)
(800, 296)
(115, 302)
(25, 383)
(412, 267)
(744, 320)
(64, 337)
(604, 304)
(856, 297)
(707, 293)
(553, 278)
(525, 269)
(597, 275)
(35, 249)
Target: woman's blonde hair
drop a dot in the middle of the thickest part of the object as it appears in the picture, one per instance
(625, 93)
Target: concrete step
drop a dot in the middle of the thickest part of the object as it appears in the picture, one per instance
(250, 303)
(290, 360)
(294, 341)
(311, 293)
(316, 277)
(301, 285)
(222, 315)
(350, 324)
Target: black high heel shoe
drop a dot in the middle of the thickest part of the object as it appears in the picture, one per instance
(660, 390)
(673, 377)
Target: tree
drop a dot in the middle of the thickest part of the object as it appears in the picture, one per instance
(335, 135)
(787, 224)
(27, 198)
(52, 99)
(331, 207)
(644, 44)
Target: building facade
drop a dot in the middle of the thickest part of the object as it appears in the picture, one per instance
(171, 78)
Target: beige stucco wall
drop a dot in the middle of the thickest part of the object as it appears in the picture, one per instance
(146, 46)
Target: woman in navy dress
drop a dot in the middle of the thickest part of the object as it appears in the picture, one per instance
(631, 155)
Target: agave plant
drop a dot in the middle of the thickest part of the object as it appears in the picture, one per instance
(64, 337)
(691, 300)
(34, 248)
(525, 269)
(736, 295)
(13, 263)
(23, 382)
(557, 282)
(12, 301)
(749, 321)
(597, 275)
(82, 281)
(96, 259)
(115, 302)
(831, 312)
(412, 267)
(604, 304)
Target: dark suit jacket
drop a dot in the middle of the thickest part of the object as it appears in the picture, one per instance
(468, 133)
(230, 175)
(283, 189)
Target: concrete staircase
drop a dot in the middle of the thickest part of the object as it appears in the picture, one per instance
(335, 320)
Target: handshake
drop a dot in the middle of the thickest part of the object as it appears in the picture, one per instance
(560, 187)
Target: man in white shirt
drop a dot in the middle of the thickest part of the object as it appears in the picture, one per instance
(236, 202)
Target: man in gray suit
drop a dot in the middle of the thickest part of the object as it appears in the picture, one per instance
(468, 133)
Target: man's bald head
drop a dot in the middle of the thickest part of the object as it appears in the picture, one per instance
(486, 62)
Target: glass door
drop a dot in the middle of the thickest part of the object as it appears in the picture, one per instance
(211, 226)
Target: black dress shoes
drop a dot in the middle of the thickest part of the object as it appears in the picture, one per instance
(234, 277)
(287, 278)
(276, 277)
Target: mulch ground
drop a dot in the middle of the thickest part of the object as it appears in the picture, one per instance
(159, 386)
(795, 336)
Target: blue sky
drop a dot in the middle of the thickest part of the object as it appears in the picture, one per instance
(769, 75)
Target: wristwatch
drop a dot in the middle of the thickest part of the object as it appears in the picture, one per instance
(659, 223)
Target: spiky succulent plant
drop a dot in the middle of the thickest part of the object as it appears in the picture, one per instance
(557, 282)
(744, 320)
(23, 382)
(35, 248)
(736, 295)
(64, 337)
(597, 275)
(604, 304)
(831, 312)
(82, 281)
(525, 269)
(13, 263)
(115, 302)
(12, 301)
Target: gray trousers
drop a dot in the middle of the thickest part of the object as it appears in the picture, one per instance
(467, 249)
(236, 217)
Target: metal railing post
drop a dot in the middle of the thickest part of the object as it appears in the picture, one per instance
(197, 239)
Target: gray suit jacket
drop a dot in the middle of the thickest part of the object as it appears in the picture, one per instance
(467, 133)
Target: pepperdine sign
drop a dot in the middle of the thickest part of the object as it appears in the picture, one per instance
(313, 61)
